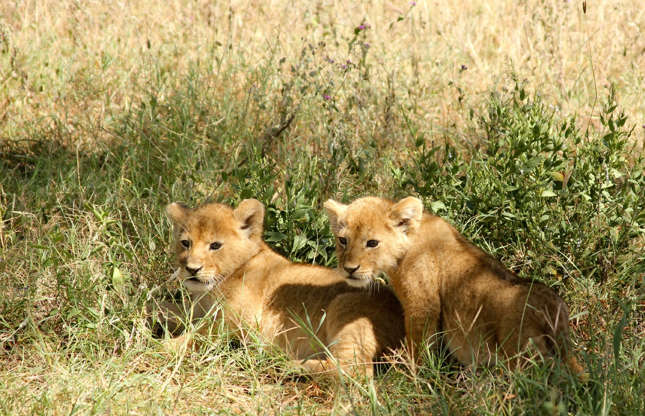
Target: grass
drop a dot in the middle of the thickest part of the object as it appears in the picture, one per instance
(108, 111)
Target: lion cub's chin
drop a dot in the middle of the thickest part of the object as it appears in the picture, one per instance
(195, 285)
(358, 281)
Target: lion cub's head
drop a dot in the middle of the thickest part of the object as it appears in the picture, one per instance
(372, 234)
(213, 241)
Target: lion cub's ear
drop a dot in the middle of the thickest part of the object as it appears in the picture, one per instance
(336, 213)
(406, 214)
(177, 212)
(250, 213)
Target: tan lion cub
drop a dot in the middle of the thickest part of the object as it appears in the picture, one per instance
(222, 258)
(445, 283)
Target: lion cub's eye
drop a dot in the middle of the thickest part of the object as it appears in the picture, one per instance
(342, 241)
(185, 243)
(215, 246)
(372, 243)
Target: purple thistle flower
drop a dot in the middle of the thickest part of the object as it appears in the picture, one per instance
(326, 97)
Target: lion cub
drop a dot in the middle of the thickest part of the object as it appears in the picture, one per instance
(222, 258)
(445, 283)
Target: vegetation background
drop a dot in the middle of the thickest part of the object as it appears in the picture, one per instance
(522, 123)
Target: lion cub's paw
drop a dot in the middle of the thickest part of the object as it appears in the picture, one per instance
(178, 344)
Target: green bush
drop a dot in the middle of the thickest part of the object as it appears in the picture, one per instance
(562, 201)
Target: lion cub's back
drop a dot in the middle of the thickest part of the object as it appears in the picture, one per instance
(322, 295)
(303, 286)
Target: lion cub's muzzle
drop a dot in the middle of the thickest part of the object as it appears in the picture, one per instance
(356, 278)
(197, 280)
(195, 285)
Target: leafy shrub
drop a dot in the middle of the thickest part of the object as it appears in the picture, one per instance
(567, 202)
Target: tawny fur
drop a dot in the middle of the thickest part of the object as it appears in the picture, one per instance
(262, 291)
(447, 284)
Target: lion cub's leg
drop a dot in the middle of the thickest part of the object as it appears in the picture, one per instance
(354, 347)
(168, 316)
(346, 356)
(421, 325)
(186, 341)
(350, 337)
(175, 317)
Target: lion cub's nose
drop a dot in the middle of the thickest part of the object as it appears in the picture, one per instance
(193, 271)
(350, 270)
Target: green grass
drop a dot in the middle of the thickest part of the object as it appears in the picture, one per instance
(84, 241)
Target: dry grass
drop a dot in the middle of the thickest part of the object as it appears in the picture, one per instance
(77, 63)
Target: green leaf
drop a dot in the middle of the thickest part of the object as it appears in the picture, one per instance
(557, 176)
(547, 193)
(618, 332)
(437, 206)
(274, 236)
(119, 279)
(298, 242)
